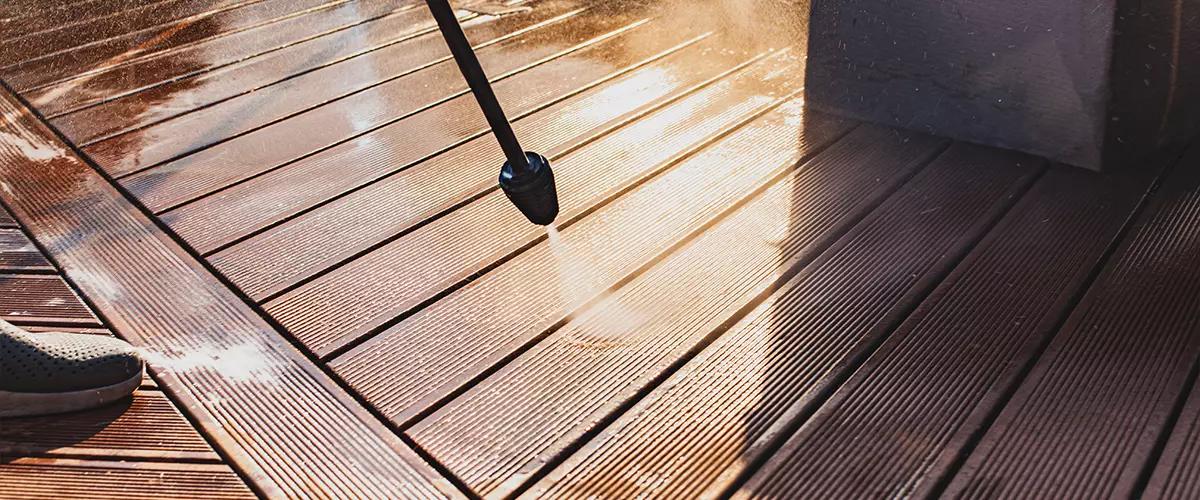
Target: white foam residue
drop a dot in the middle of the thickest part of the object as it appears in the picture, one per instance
(238, 362)
(97, 285)
(33, 151)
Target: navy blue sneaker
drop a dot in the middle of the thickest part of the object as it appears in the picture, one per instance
(48, 373)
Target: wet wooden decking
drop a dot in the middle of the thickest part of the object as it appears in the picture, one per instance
(291, 205)
(141, 447)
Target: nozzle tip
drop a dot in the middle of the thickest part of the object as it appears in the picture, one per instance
(532, 191)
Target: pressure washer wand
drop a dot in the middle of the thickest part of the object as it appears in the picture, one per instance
(526, 177)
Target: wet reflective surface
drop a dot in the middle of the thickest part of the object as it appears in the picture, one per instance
(743, 296)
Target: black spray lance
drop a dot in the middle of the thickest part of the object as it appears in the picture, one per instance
(526, 177)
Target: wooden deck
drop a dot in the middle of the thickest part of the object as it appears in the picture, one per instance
(142, 447)
(291, 207)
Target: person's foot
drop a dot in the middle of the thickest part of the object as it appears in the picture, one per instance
(48, 373)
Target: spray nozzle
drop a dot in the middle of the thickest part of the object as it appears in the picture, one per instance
(531, 189)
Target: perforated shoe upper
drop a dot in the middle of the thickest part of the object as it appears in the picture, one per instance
(63, 362)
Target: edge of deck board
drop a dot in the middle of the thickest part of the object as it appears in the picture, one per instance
(724, 411)
(585, 374)
(147, 426)
(947, 367)
(79, 90)
(54, 478)
(1089, 417)
(315, 241)
(282, 420)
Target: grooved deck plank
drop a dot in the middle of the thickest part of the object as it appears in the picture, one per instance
(144, 427)
(540, 404)
(289, 427)
(6, 220)
(45, 15)
(1085, 420)
(900, 424)
(369, 78)
(19, 255)
(56, 479)
(69, 329)
(244, 209)
(1177, 473)
(26, 298)
(292, 23)
(126, 34)
(284, 255)
(709, 422)
(409, 28)
(13, 11)
(443, 347)
(422, 264)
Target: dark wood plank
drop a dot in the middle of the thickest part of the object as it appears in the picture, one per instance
(170, 185)
(38, 299)
(56, 479)
(1177, 473)
(129, 30)
(258, 74)
(13, 11)
(88, 330)
(1086, 420)
(145, 426)
(19, 255)
(6, 220)
(289, 427)
(328, 235)
(437, 257)
(296, 22)
(523, 293)
(261, 202)
(537, 89)
(945, 372)
(694, 434)
(615, 350)
(360, 76)
(47, 16)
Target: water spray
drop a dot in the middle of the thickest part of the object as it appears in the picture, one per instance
(526, 177)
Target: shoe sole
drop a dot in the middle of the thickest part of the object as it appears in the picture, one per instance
(29, 404)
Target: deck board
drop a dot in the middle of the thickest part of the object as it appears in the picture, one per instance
(290, 23)
(441, 254)
(284, 423)
(144, 427)
(18, 255)
(72, 455)
(949, 366)
(124, 34)
(1100, 398)
(555, 393)
(377, 73)
(1177, 473)
(40, 299)
(290, 253)
(17, 10)
(56, 479)
(49, 14)
(716, 417)
(249, 207)
(756, 299)
(148, 99)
